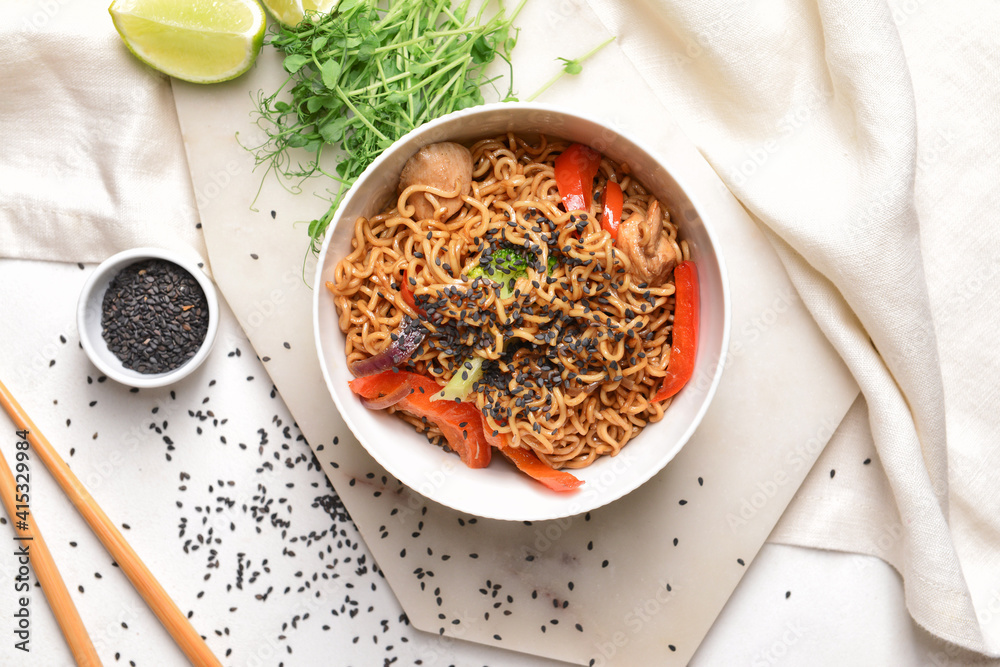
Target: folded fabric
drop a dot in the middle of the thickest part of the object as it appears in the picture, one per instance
(83, 176)
(820, 115)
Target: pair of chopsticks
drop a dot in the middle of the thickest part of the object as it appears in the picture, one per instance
(176, 623)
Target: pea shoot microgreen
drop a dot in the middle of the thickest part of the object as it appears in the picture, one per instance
(571, 67)
(366, 74)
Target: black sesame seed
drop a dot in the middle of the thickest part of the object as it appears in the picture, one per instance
(155, 316)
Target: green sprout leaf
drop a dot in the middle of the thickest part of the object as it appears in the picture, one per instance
(330, 71)
(294, 63)
(572, 66)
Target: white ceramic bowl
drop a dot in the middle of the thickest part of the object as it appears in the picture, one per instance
(500, 491)
(89, 310)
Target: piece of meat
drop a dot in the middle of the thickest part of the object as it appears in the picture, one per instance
(642, 240)
(446, 166)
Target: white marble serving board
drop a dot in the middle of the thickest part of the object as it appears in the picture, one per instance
(637, 582)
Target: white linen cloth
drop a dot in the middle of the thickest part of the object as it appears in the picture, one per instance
(863, 136)
(89, 140)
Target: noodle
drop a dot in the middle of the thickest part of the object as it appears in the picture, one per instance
(573, 355)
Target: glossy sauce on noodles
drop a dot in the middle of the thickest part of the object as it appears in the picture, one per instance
(572, 351)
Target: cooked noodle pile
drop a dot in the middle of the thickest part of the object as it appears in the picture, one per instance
(573, 356)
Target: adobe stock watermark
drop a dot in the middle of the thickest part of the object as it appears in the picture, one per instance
(888, 536)
(912, 346)
(41, 358)
(108, 638)
(139, 432)
(715, 27)
(889, 201)
(799, 457)
(92, 137)
(633, 622)
(80, 152)
(218, 181)
(892, 532)
(990, 612)
(432, 481)
(557, 13)
(757, 326)
(440, 649)
(937, 147)
(609, 135)
(39, 19)
(695, 46)
(273, 645)
(609, 470)
(269, 305)
(902, 12)
(952, 655)
(779, 648)
(757, 157)
(751, 331)
(546, 534)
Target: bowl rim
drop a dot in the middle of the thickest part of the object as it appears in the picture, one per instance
(677, 176)
(92, 295)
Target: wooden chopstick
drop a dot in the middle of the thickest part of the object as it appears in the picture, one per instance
(161, 604)
(31, 544)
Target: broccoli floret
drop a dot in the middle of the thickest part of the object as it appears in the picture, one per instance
(509, 260)
(506, 260)
(505, 266)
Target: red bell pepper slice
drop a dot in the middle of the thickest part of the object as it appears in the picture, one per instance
(378, 385)
(528, 462)
(575, 170)
(685, 332)
(461, 423)
(408, 296)
(614, 202)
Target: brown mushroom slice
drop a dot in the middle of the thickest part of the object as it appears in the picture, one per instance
(445, 166)
(643, 241)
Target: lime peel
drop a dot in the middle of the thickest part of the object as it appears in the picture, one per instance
(205, 41)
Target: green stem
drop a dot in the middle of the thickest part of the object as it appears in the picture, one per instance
(579, 61)
(359, 115)
(517, 11)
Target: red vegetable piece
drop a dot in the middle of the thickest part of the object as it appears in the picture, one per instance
(390, 399)
(614, 202)
(575, 170)
(685, 333)
(379, 385)
(407, 340)
(528, 462)
(461, 423)
(409, 297)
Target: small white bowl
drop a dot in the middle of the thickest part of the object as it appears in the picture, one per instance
(500, 491)
(89, 311)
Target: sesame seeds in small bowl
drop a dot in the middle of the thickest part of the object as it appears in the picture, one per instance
(147, 317)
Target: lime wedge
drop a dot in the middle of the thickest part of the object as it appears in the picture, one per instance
(290, 12)
(203, 41)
